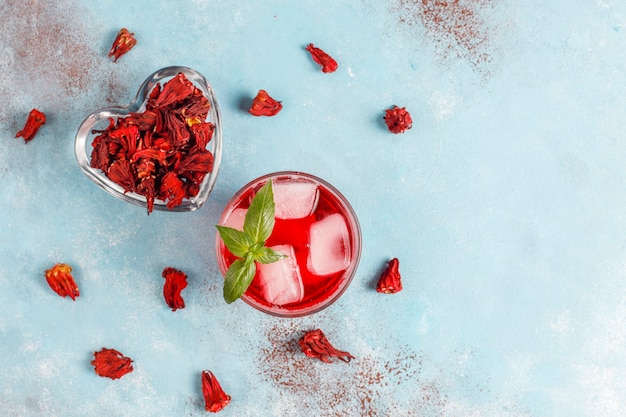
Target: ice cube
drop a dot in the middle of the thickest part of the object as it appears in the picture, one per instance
(280, 281)
(236, 218)
(329, 250)
(294, 199)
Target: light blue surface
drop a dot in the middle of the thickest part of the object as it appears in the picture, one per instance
(504, 203)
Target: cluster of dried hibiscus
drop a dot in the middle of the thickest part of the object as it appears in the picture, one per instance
(161, 153)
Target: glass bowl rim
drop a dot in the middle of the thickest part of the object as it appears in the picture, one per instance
(84, 137)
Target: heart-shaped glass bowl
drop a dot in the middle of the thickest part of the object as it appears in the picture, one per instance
(99, 120)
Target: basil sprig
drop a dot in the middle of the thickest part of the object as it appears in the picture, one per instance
(249, 245)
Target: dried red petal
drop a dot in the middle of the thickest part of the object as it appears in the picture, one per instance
(398, 119)
(100, 154)
(172, 190)
(111, 364)
(319, 56)
(178, 129)
(202, 133)
(121, 173)
(196, 107)
(144, 121)
(200, 160)
(175, 282)
(124, 41)
(264, 105)
(175, 90)
(147, 189)
(60, 279)
(127, 138)
(35, 120)
(192, 189)
(314, 344)
(215, 398)
(154, 154)
(145, 167)
(390, 281)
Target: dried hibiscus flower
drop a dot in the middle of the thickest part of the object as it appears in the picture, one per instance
(159, 153)
(264, 105)
(61, 281)
(215, 398)
(314, 344)
(175, 282)
(35, 120)
(322, 58)
(124, 41)
(390, 281)
(397, 119)
(111, 364)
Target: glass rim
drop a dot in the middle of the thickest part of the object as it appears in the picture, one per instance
(355, 244)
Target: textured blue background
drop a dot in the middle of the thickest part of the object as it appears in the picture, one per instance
(504, 203)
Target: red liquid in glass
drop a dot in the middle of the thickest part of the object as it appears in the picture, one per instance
(295, 232)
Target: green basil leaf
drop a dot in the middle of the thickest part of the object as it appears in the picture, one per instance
(268, 255)
(238, 279)
(249, 244)
(259, 220)
(237, 242)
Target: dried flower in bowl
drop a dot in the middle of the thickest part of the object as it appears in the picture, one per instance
(163, 150)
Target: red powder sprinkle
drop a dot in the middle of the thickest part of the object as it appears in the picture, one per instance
(456, 27)
(353, 390)
(34, 30)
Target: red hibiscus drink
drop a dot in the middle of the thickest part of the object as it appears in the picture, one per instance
(318, 231)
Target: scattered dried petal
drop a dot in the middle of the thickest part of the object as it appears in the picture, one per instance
(122, 44)
(215, 398)
(319, 56)
(127, 138)
(147, 189)
(196, 108)
(175, 282)
(398, 119)
(264, 105)
(111, 364)
(60, 279)
(390, 281)
(35, 120)
(314, 344)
